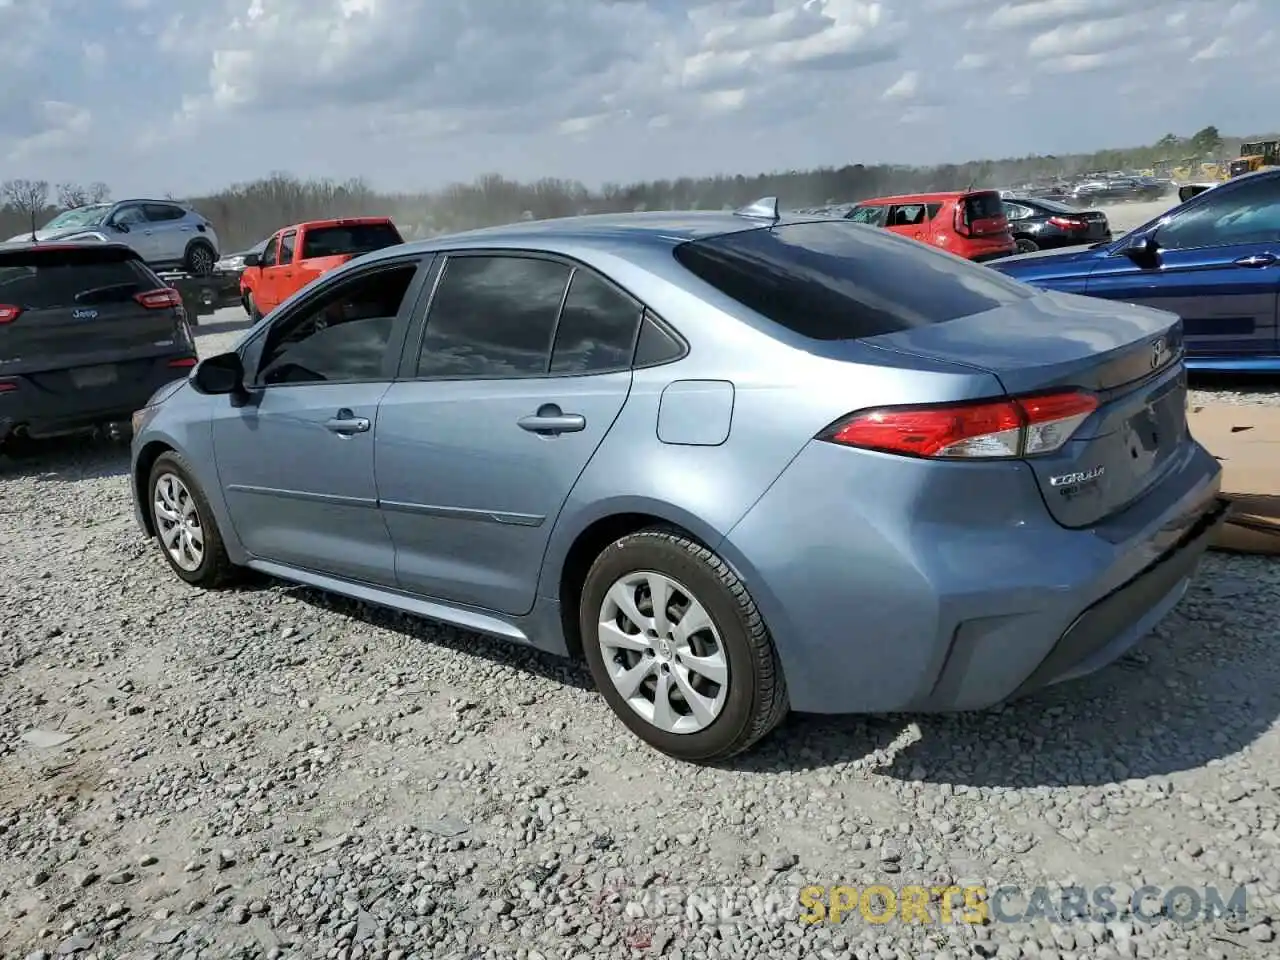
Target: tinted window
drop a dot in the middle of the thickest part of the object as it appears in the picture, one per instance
(837, 281)
(980, 206)
(46, 281)
(129, 215)
(1247, 214)
(1016, 211)
(933, 210)
(656, 345)
(269, 254)
(158, 212)
(906, 215)
(493, 317)
(341, 335)
(286, 247)
(597, 329)
(354, 238)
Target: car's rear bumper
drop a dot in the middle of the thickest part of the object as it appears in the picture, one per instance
(49, 404)
(896, 584)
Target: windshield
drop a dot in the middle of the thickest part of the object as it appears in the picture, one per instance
(79, 217)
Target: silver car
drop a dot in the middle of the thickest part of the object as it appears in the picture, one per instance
(737, 463)
(166, 234)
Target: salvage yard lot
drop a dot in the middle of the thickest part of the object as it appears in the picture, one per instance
(272, 771)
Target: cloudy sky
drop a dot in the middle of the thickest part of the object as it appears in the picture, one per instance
(188, 95)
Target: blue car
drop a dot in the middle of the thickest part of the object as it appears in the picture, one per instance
(1214, 261)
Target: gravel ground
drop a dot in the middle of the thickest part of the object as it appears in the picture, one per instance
(270, 772)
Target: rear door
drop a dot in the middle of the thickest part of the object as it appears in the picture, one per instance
(169, 230)
(909, 220)
(1218, 268)
(523, 366)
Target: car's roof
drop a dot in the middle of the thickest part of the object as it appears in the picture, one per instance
(334, 222)
(667, 228)
(112, 246)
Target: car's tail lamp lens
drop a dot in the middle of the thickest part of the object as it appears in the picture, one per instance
(1024, 426)
(161, 299)
(9, 313)
(8, 386)
(183, 363)
(1068, 223)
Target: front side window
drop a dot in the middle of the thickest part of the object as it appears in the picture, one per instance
(1247, 214)
(286, 247)
(269, 254)
(341, 335)
(129, 216)
(493, 317)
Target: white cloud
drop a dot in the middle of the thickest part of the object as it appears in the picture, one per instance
(411, 93)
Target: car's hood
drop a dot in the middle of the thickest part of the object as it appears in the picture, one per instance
(88, 233)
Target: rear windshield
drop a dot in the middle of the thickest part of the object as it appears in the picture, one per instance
(42, 282)
(980, 206)
(351, 238)
(836, 280)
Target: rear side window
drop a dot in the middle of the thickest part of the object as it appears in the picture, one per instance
(981, 206)
(836, 281)
(43, 282)
(354, 238)
(493, 317)
(933, 210)
(161, 212)
(597, 329)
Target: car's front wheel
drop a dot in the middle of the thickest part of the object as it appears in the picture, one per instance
(678, 649)
(1025, 245)
(184, 524)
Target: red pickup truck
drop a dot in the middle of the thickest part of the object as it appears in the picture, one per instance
(296, 255)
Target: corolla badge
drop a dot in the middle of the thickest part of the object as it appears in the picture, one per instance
(84, 314)
(1082, 476)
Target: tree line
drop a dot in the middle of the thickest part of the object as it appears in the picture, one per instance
(246, 213)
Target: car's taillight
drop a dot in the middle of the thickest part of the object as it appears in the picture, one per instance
(8, 386)
(161, 299)
(9, 313)
(1068, 223)
(183, 362)
(1024, 426)
(961, 223)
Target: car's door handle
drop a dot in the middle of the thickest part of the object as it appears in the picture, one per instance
(550, 420)
(1257, 260)
(345, 423)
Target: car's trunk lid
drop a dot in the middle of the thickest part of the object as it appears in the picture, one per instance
(76, 306)
(1129, 357)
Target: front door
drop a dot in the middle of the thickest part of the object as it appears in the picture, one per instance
(135, 230)
(296, 462)
(910, 220)
(1218, 267)
(479, 449)
(277, 279)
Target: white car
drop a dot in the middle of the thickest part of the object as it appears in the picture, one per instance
(167, 234)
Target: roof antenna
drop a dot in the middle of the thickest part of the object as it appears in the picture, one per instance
(766, 208)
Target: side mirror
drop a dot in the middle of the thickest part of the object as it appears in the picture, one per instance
(252, 260)
(1143, 250)
(222, 374)
(121, 227)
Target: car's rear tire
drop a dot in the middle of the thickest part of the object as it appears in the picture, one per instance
(1025, 245)
(721, 665)
(185, 526)
(199, 259)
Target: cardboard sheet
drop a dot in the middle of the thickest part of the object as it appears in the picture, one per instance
(1246, 440)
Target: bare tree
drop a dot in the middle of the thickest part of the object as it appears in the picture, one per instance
(27, 196)
(99, 192)
(71, 195)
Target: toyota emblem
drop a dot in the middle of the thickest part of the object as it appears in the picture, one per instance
(1157, 352)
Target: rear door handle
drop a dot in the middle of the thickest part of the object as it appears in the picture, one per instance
(1257, 260)
(345, 423)
(549, 420)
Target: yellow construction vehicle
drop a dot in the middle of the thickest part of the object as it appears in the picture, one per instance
(1254, 156)
(1188, 169)
(1213, 170)
(1163, 169)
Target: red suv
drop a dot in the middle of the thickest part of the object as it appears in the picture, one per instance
(970, 224)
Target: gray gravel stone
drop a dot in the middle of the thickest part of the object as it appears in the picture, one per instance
(290, 774)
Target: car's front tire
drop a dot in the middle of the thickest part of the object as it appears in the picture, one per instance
(184, 524)
(1024, 245)
(678, 649)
